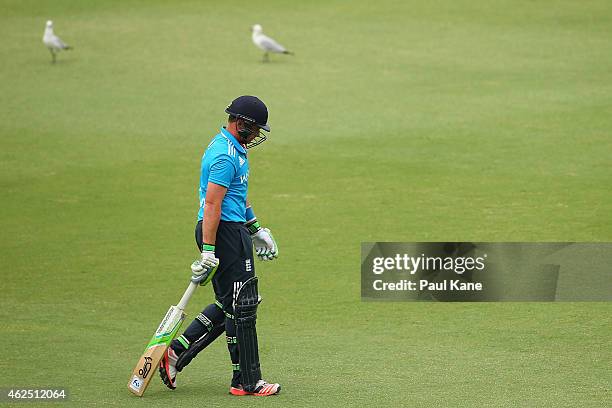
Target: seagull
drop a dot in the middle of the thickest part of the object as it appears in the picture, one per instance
(266, 43)
(53, 42)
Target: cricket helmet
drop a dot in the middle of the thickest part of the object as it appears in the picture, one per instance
(250, 108)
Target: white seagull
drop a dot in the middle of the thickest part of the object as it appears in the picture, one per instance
(53, 42)
(266, 43)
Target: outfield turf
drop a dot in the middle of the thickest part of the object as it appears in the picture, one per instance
(395, 121)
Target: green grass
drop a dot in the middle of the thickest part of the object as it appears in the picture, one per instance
(395, 121)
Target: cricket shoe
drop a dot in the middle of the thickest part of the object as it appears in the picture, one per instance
(262, 389)
(167, 368)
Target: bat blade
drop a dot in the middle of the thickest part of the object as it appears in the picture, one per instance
(154, 351)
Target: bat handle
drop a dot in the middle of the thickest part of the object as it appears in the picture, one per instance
(187, 295)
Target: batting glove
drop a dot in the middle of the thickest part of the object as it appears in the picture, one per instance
(265, 245)
(204, 269)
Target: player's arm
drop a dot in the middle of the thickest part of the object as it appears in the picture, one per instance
(263, 240)
(222, 171)
(212, 212)
(251, 220)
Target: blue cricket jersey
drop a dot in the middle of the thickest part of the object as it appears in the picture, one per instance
(225, 163)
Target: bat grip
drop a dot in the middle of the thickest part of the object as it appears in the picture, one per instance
(187, 295)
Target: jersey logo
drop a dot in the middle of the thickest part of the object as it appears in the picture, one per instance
(241, 160)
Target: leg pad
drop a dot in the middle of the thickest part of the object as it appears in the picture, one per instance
(245, 311)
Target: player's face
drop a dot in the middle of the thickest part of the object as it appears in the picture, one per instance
(252, 128)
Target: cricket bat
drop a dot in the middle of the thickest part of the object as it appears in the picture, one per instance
(153, 353)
